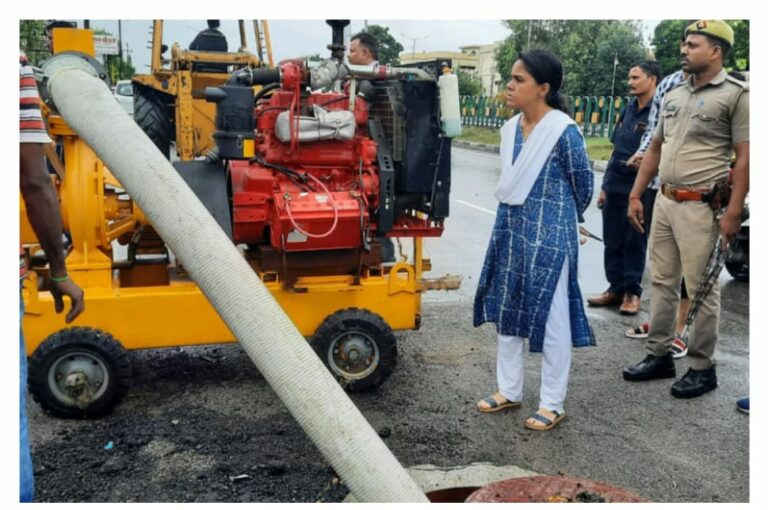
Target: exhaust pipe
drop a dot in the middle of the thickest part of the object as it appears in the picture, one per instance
(273, 343)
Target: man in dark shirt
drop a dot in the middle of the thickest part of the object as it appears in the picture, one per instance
(625, 248)
(364, 51)
(210, 39)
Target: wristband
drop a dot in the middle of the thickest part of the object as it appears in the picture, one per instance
(634, 198)
(59, 279)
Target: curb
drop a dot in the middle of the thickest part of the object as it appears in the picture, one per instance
(483, 147)
(598, 165)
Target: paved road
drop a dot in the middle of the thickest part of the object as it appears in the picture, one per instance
(197, 418)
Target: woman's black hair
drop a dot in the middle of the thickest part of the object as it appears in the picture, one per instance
(546, 68)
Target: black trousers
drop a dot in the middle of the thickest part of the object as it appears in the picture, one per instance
(625, 248)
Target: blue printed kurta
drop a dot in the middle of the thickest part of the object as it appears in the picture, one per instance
(530, 243)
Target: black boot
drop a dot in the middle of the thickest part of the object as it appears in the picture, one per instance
(695, 383)
(652, 367)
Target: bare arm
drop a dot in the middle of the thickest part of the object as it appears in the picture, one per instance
(648, 170)
(731, 220)
(42, 205)
(45, 219)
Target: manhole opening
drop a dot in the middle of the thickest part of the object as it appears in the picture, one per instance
(452, 495)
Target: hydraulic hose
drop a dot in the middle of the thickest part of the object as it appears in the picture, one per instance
(268, 336)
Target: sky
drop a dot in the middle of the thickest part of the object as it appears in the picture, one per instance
(294, 38)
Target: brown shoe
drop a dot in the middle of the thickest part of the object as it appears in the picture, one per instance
(605, 299)
(631, 305)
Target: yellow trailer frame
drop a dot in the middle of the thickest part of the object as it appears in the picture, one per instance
(180, 315)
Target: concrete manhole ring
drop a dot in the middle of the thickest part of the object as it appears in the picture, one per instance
(552, 489)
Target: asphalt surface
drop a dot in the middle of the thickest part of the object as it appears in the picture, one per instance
(201, 424)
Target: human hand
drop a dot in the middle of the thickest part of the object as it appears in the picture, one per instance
(635, 160)
(729, 227)
(601, 199)
(635, 214)
(75, 293)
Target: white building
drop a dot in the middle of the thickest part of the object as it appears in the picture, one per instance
(477, 59)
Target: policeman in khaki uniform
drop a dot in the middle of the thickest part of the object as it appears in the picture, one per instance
(702, 123)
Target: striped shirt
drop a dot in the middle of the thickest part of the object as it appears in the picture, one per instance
(668, 83)
(31, 125)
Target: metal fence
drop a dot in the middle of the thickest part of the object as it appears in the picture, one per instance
(595, 115)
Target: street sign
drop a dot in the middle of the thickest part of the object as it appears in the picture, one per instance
(105, 45)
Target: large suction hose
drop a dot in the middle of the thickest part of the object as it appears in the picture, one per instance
(281, 354)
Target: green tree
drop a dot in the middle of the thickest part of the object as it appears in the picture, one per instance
(528, 34)
(666, 42)
(389, 48)
(622, 42)
(586, 48)
(738, 58)
(117, 69)
(469, 85)
(32, 40)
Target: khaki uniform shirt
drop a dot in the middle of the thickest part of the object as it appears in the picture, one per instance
(698, 128)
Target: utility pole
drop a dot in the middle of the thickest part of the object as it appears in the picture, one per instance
(120, 42)
(528, 46)
(615, 63)
(413, 45)
(128, 53)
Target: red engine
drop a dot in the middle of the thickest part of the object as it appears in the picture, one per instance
(332, 170)
(312, 195)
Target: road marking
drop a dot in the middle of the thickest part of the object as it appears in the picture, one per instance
(473, 206)
(477, 153)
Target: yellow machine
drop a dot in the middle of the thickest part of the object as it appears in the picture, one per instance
(138, 297)
(169, 103)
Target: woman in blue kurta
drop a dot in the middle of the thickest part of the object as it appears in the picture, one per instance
(528, 285)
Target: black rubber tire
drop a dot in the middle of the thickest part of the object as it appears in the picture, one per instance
(97, 344)
(737, 261)
(738, 271)
(152, 113)
(365, 325)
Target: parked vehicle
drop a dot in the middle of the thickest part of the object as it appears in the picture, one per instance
(737, 259)
(124, 95)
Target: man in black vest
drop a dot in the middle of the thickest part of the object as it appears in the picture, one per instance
(210, 39)
(625, 248)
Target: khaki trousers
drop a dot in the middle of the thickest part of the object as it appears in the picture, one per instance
(682, 237)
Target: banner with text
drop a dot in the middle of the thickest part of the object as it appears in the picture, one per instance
(105, 45)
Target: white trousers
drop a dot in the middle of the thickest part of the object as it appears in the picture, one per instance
(556, 355)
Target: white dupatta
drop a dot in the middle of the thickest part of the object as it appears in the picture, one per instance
(516, 180)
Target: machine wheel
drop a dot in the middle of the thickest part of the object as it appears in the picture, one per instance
(739, 270)
(151, 114)
(358, 347)
(79, 373)
(737, 260)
